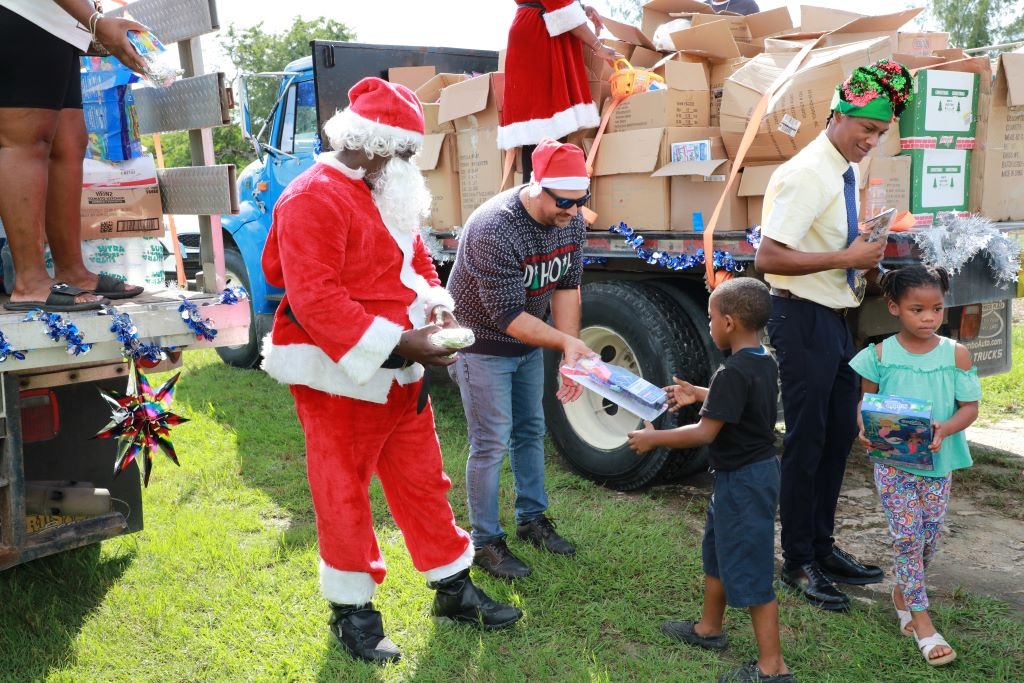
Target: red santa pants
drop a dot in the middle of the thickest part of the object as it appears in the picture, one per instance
(347, 441)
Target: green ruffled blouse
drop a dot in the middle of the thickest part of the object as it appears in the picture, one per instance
(931, 376)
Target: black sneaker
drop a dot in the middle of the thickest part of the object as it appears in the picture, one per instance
(843, 567)
(497, 560)
(541, 532)
(816, 588)
(749, 673)
(360, 631)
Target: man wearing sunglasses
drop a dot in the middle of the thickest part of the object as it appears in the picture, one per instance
(519, 259)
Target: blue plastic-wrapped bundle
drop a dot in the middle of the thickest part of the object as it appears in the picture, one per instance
(109, 109)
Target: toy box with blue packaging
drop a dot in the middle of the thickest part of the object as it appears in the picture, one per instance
(899, 429)
(109, 109)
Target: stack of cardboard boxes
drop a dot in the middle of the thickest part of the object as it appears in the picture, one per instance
(721, 65)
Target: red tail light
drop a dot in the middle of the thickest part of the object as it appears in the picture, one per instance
(970, 322)
(40, 417)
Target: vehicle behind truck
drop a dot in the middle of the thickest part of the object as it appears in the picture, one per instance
(651, 320)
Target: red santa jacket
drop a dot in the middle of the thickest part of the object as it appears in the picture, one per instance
(353, 284)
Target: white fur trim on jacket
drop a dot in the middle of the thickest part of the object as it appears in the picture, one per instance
(565, 19)
(308, 365)
(461, 562)
(346, 588)
(558, 126)
(437, 296)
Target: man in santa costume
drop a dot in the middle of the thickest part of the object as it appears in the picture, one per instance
(351, 337)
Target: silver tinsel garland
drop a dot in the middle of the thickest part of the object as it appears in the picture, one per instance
(955, 240)
(434, 246)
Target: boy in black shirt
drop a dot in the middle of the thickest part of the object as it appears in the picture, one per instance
(738, 423)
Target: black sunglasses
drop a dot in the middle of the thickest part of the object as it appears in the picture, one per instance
(566, 203)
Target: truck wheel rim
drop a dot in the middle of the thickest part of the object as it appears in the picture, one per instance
(595, 419)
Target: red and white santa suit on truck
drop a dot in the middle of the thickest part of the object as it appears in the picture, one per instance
(345, 244)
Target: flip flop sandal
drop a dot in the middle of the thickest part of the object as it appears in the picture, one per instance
(929, 643)
(686, 632)
(60, 299)
(902, 614)
(112, 288)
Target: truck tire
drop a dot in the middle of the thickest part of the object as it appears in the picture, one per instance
(642, 328)
(246, 356)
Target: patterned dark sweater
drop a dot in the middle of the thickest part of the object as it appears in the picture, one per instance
(506, 264)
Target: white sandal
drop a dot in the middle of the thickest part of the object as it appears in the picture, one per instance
(929, 643)
(902, 614)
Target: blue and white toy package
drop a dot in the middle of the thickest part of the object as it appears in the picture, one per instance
(620, 386)
(899, 429)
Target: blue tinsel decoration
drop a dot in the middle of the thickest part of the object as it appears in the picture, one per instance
(126, 332)
(6, 350)
(720, 259)
(57, 329)
(203, 329)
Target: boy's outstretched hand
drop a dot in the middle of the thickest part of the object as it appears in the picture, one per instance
(642, 440)
(680, 393)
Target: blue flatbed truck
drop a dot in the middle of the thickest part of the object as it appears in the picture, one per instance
(643, 317)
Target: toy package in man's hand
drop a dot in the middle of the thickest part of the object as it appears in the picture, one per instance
(619, 386)
(899, 429)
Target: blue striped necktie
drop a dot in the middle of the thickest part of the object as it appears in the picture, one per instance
(850, 195)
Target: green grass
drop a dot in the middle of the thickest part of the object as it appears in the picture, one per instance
(1002, 396)
(222, 583)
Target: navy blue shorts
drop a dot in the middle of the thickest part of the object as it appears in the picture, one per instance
(38, 70)
(739, 535)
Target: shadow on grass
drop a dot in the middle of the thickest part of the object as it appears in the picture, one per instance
(43, 605)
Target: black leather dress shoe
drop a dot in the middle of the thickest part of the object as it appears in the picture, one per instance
(843, 567)
(360, 630)
(497, 560)
(816, 588)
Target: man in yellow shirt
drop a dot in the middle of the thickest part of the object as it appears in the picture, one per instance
(814, 260)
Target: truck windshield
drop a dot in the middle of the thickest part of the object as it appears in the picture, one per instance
(298, 127)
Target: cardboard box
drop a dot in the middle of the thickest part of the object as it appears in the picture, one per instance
(899, 429)
(939, 182)
(942, 114)
(686, 102)
(921, 43)
(480, 167)
(411, 77)
(694, 194)
(438, 160)
(799, 108)
(429, 95)
(895, 175)
(752, 186)
(628, 33)
(999, 155)
(624, 188)
(719, 71)
(871, 27)
(473, 103)
(658, 12)
(121, 199)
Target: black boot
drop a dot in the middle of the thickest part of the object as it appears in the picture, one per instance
(459, 600)
(360, 630)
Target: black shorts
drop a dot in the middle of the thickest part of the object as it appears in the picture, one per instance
(38, 70)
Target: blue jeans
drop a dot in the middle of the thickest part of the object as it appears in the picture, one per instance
(502, 399)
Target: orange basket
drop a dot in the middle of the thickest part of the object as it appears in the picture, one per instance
(628, 81)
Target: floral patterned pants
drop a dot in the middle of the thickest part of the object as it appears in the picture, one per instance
(916, 509)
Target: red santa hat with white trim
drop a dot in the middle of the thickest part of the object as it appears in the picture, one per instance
(381, 109)
(558, 166)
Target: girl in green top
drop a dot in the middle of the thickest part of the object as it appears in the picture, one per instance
(917, 363)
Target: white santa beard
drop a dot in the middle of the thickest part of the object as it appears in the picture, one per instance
(401, 195)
